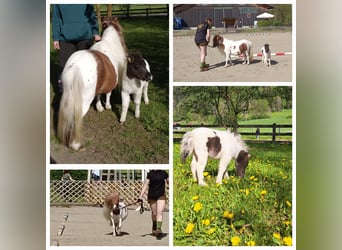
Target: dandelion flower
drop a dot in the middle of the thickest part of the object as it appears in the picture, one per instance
(206, 222)
(288, 203)
(228, 215)
(277, 235)
(195, 197)
(251, 243)
(287, 241)
(211, 231)
(189, 228)
(205, 174)
(263, 192)
(247, 192)
(197, 206)
(235, 240)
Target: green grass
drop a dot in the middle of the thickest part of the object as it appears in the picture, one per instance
(282, 117)
(254, 210)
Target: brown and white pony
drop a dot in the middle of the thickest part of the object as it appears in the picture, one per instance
(205, 142)
(236, 48)
(115, 211)
(266, 54)
(90, 73)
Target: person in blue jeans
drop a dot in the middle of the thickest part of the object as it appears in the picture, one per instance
(74, 27)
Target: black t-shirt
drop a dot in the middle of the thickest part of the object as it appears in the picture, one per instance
(201, 32)
(157, 183)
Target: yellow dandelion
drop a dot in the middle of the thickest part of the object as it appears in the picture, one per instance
(287, 241)
(189, 228)
(263, 192)
(206, 222)
(252, 177)
(251, 243)
(243, 211)
(205, 174)
(287, 222)
(211, 231)
(225, 181)
(277, 235)
(247, 191)
(195, 197)
(228, 215)
(288, 203)
(235, 240)
(197, 206)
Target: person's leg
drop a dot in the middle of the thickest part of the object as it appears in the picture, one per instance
(160, 208)
(203, 54)
(153, 206)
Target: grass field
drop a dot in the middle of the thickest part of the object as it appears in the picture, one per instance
(256, 210)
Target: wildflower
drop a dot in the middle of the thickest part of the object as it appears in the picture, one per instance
(287, 241)
(206, 222)
(263, 192)
(195, 197)
(228, 215)
(252, 177)
(189, 228)
(197, 206)
(235, 240)
(251, 243)
(205, 174)
(287, 223)
(277, 235)
(247, 192)
(211, 231)
(288, 203)
(243, 211)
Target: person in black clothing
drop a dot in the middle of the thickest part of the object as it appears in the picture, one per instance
(155, 184)
(202, 38)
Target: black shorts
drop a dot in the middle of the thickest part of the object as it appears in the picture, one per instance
(202, 43)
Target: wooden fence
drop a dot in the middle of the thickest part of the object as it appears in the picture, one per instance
(160, 11)
(93, 193)
(275, 132)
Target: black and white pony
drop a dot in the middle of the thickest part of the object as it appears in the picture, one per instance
(135, 82)
(236, 48)
(224, 145)
(115, 211)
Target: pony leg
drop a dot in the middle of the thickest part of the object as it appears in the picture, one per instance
(227, 59)
(193, 166)
(125, 103)
(137, 101)
(114, 228)
(108, 105)
(202, 161)
(99, 106)
(145, 88)
(118, 230)
(222, 169)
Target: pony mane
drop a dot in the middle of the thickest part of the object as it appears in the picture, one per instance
(114, 22)
(239, 140)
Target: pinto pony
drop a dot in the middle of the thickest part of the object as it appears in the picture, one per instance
(90, 73)
(205, 142)
(236, 48)
(135, 81)
(266, 54)
(115, 211)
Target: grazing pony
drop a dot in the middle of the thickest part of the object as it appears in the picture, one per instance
(135, 81)
(237, 48)
(90, 73)
(223, 145)
(266, 54)
(115, 211)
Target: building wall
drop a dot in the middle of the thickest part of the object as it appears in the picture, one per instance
(245, 14)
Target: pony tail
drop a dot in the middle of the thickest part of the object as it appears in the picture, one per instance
(70, 108)
(187, 146)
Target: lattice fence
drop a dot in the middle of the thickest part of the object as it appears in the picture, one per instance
(93, 193)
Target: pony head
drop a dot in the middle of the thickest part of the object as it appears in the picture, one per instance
(217, 41)
(137, 67)
(241, 163)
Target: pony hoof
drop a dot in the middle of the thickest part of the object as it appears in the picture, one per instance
(108, 106)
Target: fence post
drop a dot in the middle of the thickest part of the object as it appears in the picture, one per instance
(274, 132)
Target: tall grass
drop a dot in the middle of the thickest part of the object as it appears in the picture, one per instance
(256, 210)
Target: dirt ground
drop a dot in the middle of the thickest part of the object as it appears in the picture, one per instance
(186, 60)
(86, 226)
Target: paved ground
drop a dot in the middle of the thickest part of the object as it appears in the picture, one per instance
(86, 226)
(186, 60)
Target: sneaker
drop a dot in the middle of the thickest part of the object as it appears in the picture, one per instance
(204, 69)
